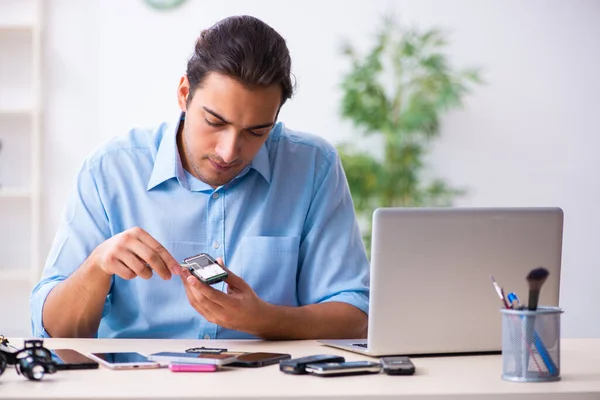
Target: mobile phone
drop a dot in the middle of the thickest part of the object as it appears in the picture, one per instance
(343, 368)
(192, 367)
(397, 365)
(259, 359)
(297, 366)
(167, 357)
(72, 359)
(205, 268)
(126, 360)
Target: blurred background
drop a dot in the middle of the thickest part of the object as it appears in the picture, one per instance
(497, 105)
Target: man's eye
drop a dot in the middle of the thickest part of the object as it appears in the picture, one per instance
(215, 124)
(255, 134)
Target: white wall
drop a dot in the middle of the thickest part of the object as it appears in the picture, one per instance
(526, 138)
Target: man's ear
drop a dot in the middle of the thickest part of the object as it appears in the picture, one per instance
(183, 91)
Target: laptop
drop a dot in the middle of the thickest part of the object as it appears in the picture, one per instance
(431, 288)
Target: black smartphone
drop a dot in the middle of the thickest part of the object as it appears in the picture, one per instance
(344, 368)
(259, 359)
(397, 365)
(205, 268)
(72, 359)
(297, 366)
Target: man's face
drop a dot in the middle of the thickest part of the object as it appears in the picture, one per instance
(225, 126)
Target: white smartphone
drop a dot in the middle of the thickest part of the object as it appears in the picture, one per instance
(343, 368)
(128, 360)
(195, 358)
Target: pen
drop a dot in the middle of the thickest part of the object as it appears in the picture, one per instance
(500, 292)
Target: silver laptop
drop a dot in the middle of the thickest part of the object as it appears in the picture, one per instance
(431, 268)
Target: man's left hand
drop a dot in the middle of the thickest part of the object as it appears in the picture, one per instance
(239, 309)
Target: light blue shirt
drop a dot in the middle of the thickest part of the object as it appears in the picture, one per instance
(285, 224)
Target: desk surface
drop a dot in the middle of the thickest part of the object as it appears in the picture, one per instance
(436, 378)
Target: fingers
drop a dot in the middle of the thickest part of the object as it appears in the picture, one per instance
(149, 257)
(123, 271)
(199, 306)
(135, 264)
(234, 282)
(206, 307)
(201, 291)
(164, 257)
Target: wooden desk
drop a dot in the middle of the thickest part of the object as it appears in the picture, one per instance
(436, 378)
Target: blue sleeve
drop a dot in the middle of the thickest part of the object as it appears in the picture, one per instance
(334, 265)
(82, 228)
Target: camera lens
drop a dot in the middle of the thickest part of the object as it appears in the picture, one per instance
(37, 372)
(32, 369)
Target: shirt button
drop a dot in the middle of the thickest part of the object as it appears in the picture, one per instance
(206, 337)
(215, 245)
(215, 195)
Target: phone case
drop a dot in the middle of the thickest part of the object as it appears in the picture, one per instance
(397, 365)
(192, 367)
(272, 359)
(297, 365)
(67, 359)
(194, 358)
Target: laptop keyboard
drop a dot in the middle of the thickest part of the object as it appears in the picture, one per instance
(363, 345)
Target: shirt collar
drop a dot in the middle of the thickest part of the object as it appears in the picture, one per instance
(167, 163)
(261, 163)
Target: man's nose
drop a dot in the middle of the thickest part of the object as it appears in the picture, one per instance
(228, 146)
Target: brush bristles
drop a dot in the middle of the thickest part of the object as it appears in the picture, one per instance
(536, 285)
(536, 278)
(538, 274)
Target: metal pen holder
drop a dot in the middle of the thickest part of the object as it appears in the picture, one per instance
(531, 344)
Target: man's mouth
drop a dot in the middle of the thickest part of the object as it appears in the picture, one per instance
(220, 167)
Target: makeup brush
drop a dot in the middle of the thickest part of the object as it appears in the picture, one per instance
(536, 279)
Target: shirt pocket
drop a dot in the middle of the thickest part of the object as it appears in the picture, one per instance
(270, 266)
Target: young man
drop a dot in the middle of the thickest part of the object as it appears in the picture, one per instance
(225, 179)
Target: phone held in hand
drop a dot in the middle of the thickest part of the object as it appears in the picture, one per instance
(205, 268)
(297, 366)
(397, 365)
(254, 360)
(344, 368)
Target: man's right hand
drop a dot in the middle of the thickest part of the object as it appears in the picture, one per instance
(134, 253)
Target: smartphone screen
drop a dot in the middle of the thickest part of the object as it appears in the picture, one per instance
(125, 360)
(205, 268)
(72, 359)
(208, 272)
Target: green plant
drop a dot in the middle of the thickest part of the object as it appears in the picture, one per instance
(398, 91)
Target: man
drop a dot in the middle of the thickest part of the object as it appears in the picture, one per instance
(227, 179)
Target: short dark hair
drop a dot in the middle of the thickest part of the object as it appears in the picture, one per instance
(243, 48)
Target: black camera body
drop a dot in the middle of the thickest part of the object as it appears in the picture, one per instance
(32, 361)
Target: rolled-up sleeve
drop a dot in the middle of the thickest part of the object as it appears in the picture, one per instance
(334, 265)
(83, 226)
